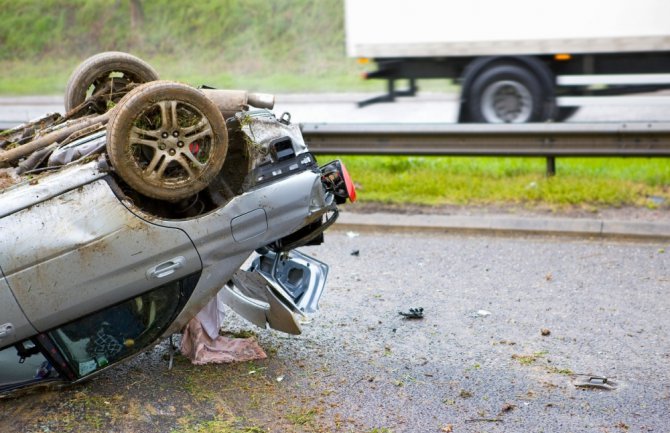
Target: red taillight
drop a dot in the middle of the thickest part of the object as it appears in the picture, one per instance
(336, 179)
(351, 189)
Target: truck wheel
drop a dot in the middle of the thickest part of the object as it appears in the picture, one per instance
(166, 140)
(106, 75)
(506, 94)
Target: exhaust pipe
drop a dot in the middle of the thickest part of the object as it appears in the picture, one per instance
(230, 102)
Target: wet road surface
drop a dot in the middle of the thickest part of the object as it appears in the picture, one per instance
(477, 362)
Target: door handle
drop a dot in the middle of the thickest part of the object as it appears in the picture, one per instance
(166, 268)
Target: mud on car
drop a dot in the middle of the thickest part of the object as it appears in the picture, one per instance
(122, 218)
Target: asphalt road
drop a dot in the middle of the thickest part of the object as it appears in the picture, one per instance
(426, 107)
(476, 362)
(360, 367)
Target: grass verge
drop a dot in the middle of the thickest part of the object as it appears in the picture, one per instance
(589, 183)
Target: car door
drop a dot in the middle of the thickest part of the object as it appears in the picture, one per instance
(13, 323)
(82, 251)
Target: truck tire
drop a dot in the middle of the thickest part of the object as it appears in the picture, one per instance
(507, 93)
(109, 72)
(166, 140)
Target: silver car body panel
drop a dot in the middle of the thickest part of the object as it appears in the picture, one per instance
(255, 297)
(40, 188)
(13, 325)
(249, 225)
(288, 205)
(92, 253)
(301, 278)
(276, 289)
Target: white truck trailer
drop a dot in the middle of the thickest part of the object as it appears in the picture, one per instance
(517, 60)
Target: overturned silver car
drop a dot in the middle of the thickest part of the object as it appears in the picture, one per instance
(122, 219)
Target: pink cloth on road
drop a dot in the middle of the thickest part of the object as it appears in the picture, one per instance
(197, 345)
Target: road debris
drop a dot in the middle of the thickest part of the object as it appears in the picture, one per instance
(356, 253)
(200, 348)
(482, 313)
(545, 332)
(465, 394)
(484, 420)
(413, 313)
(528, 359)
(595, 382)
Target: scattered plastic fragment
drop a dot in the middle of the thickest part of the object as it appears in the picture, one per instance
(545, 332)
(597, 382)
(356, 253)
(413, 313)
(352, 234)
(483, 313)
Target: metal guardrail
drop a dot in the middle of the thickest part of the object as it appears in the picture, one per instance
(541, 139)
(548, 140)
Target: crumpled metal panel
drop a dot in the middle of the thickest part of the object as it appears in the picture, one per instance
(253, 296)
(302, 278)
(261, 128)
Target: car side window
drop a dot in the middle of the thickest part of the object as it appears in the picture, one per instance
(23, 364)
(102, 338)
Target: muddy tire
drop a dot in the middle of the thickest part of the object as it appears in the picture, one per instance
(108, 74)
(166, 140)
